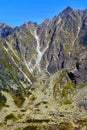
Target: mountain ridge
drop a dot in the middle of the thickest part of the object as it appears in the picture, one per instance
(68, 7)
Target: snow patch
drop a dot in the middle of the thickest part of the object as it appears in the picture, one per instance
(39, 52)
(58, 22)
(28, 65)
(19, 68)
(76, 35)
(10, 47)
(21, 71)
(47, 67)
(39, 56)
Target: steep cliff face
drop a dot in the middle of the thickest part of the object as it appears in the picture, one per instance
(43, 72)
(53, 45)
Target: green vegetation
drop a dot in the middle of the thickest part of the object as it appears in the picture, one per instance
(66, 126)
(10, 116)
(18, 99)
(64, 89)
(2, 82)
(30, 128)
(18, 129)
(82, 122)
(2, 101)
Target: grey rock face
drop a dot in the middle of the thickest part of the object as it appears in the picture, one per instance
(5, 30)
(79, 76)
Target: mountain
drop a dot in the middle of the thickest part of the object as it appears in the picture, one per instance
(5, 30)
(43, 73)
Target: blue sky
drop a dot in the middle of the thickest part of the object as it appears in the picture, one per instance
(16, 12)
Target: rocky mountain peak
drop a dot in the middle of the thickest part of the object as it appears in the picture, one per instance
(68, 9)
(5, 30)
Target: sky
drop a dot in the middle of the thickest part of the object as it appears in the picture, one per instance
(17, 12)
